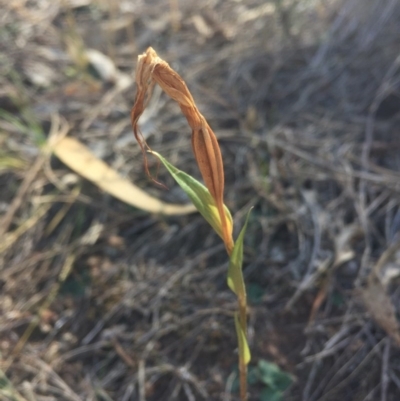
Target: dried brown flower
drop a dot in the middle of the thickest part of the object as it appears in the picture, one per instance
(152, 69)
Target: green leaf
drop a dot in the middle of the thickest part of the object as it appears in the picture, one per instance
(255, 293)
(337, 299)
(244, 350)
(235, 275)
(270, 394)
(273, 376)
(199, 195)
(252, 375)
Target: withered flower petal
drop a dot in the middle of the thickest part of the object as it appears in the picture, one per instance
(152, 69)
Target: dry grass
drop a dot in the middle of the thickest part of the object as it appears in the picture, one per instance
(123, 305)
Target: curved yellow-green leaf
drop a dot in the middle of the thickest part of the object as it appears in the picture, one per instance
(199, 195)
(244, 350)
(235, 274)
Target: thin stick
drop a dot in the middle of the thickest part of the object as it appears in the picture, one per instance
(385, 370)
(23, 189)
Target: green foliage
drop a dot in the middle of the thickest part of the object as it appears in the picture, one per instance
(273, 376)
(206, 205)
(337, 299)
(199, 195)
(8, 162)
(273, 380)
(7, 391)
(235, 275)
(270, 394)
(255, 293)
(77, 284)
(27, 124)
(236, 284)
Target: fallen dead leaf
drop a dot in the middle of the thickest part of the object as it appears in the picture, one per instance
(381, 308)
(79, 158)
(344, 242)
(103, 65)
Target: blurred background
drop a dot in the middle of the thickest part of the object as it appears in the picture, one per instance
(103, 299)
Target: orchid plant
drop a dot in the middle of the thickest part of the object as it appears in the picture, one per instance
(208, 199)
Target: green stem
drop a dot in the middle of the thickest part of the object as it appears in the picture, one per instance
(242, 363)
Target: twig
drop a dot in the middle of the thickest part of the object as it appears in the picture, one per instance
(354, 373)
(310, 380)
(369, 134)
(55, 129)
(142, 380)
(22, 190)
(385, 369)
